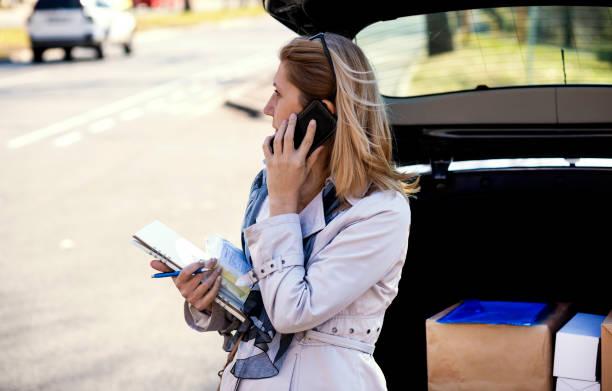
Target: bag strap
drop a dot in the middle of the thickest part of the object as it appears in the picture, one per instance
(331, 209)
(230, 358)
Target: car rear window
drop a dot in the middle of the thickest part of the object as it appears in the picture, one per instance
(55, 4)
(490, 48)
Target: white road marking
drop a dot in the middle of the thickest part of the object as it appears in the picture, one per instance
(67, 244)
(133, 113)
(102, 125)
(82, 119)
(195, 88)
(238, 69)
(156, 104)
(67, 139)
(178, 95)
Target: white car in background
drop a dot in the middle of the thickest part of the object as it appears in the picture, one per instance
(86, 23)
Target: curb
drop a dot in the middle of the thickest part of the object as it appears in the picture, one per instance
(253, 100)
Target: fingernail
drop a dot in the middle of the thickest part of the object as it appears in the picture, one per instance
(218, 278)
(292, 116)
(312, 122)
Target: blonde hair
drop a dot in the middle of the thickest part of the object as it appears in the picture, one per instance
(362, 144)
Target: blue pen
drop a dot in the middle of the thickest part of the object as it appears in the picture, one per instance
(176, 273)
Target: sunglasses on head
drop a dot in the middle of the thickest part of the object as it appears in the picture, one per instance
(331, 63)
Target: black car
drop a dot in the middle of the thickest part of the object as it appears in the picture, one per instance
(506, 113)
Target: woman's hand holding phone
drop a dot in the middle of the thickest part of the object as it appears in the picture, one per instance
(199, 294)
(287, 167)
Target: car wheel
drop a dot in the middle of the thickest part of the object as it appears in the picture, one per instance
(37, 54)
(68, 54)
(99, 51)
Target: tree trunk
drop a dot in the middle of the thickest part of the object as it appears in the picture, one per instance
(499, 21)
(521, 24)
(568, 36)
(440, 39)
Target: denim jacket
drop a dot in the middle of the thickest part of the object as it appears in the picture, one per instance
(335, 303)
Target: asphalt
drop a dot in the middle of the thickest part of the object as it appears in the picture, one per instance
(91, 152)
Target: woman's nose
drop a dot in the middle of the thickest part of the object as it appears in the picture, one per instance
(269, 108)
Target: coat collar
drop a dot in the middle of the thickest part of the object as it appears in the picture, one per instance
(350, 199)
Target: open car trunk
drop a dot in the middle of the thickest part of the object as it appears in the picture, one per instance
(537, 235)
(527, 233)
(532, 234)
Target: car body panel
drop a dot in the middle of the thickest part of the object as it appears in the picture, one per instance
(348, 17)
(60, 24)
(565, 121)
(551, 106)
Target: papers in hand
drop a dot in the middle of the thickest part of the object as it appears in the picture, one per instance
(164, 244)
(168, 246)
(232, 257)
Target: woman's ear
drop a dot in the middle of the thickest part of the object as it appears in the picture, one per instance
(330, 106)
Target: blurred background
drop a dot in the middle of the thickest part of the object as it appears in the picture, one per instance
(92, 150)
(115, 113)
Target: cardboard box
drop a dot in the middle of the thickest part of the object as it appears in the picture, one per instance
(606, 353)
(576, 385)
(577, 347)
(492, 357)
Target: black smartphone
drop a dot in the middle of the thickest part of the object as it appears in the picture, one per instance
(326, 125)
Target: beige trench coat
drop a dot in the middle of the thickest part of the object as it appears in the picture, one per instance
(335, 303)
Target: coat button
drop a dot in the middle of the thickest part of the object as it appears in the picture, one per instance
(334, 330)
(368, 331)
(351, 331)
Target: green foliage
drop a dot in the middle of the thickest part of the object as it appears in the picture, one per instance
(506, 64)
(150, 21)
(604, 53)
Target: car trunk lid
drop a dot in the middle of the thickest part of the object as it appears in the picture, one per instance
(481, 121)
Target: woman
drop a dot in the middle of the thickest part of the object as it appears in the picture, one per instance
(327, 234)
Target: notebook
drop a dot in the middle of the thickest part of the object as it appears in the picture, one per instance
(161, 242)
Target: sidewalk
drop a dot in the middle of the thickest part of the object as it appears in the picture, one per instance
(252, 101)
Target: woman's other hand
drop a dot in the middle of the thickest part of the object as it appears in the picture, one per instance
(287, 167)
(198, 293)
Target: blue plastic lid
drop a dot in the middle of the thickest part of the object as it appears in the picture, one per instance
(584, 324)
(497, 312)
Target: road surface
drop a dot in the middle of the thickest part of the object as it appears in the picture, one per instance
(91, 152)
